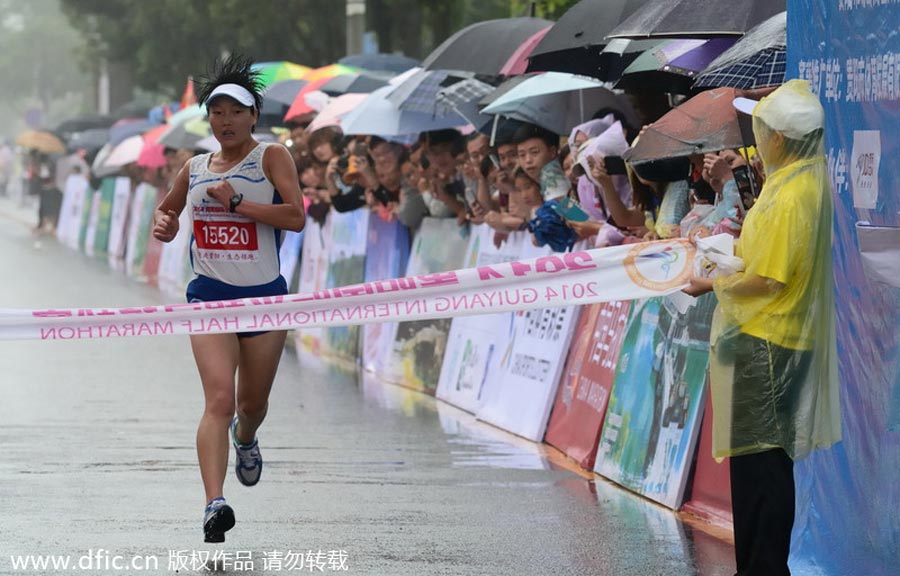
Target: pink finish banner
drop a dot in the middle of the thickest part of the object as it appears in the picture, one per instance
(575, 278)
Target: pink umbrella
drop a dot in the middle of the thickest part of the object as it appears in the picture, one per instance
(518, 62)
(335, 110)
(152, 156)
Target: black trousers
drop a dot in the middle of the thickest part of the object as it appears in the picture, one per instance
(762, 500)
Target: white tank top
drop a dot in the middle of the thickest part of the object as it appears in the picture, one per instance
(227, 246)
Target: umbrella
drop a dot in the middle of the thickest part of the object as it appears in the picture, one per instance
(394, 63)
(696, 18)
(755, 61)
(505, 87)
(671, 66)
(484, 47)
(272, 72)
(518, 62)
(129, 127)
(189, 113)
(352, 83)
(329, 72)
(41, 141)
(336, 109)
(300, 106)
(83, 123)
(558, 101)
(378, 116)
(185, 134)
(575, 41)
(284, 91)
(89, 140)
(462, 96)
(419, 92)
(619, 54)
(708, 122)
(126, 152)
(152, 156)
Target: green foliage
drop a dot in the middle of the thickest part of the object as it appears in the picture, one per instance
(36, 55)
(165, 41)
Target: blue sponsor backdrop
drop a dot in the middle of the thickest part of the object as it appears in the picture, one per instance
(848, 497)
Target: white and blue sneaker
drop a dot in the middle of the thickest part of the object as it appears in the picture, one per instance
(248, 466)
(217, 520)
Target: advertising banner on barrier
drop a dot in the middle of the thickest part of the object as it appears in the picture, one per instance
(346, 266)
(552, 281)
(154, 249)
(847, 496)
(417, 348)
(75, 194)
(711, 488)
(587, 381)
(313, 277)
(174, 257)
(140, 225)
(87, 210)
(387, 254)
(656, 407)
(521, 396)
(289, 257)
(93, 223)
(477, 344)
(118, 223)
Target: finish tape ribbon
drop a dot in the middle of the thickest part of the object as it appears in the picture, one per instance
(626, 272)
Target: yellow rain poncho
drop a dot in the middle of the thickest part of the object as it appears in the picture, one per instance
(773, 361)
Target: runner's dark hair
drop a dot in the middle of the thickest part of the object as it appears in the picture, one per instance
(235, 69)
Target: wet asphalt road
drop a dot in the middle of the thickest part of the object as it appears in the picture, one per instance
(97, 452)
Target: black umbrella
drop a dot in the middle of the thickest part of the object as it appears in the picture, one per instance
(89, 140)
(394, 63)
(82, 123)
(285, 91)
(484, 47)
(696, 18)
(574, 43)
(352, 83)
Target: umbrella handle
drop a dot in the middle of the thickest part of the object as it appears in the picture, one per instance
(494, 129)
(581, 105)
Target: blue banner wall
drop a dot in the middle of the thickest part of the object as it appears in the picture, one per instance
(848, 497)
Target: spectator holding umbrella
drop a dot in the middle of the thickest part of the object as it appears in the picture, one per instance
(773, 362)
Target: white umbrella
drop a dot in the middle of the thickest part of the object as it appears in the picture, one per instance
(376, 115)
(126, 152)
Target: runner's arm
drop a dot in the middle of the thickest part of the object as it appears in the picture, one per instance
(280, 169)
(165, 219)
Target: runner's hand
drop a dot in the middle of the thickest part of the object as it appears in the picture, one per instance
(221, 192)
(166, 226)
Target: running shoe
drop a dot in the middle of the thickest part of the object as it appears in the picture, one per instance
(248, 466)
(217, 520)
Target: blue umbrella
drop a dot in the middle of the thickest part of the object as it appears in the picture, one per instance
(378, 116)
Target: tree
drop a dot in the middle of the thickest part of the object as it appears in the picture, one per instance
(36, 58)
(165, 41)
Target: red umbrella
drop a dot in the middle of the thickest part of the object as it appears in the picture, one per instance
(300, 107)
(152, 153)
(518, 62)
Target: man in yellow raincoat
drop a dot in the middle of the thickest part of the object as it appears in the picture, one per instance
(773, 361)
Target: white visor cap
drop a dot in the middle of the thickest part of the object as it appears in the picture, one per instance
(791, 109)
(234, 91)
